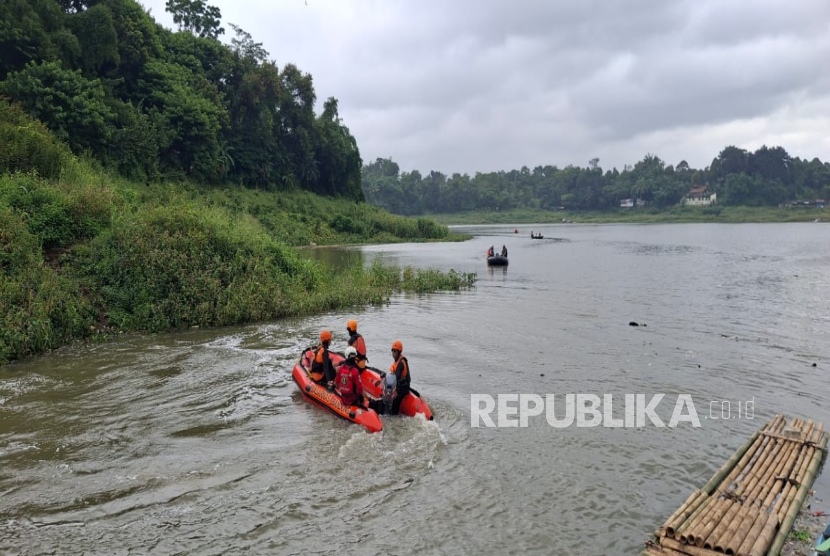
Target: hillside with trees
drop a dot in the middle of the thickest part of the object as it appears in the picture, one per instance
(153, 181)
(156, 104)
(766, 177)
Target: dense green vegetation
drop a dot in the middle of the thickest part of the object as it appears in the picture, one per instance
(764, 178)
(153, 180)
(85, 253)
(676, 214)
(152, 103)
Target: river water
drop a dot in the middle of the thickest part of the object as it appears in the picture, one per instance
(198, 442)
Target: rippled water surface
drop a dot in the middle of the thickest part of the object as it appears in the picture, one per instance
(198, 442)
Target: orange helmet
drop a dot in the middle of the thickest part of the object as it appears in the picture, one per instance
(352, 325)
(325, 336)
(397, 345)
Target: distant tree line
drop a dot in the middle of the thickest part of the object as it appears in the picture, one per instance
(150, 102)
(766, 177)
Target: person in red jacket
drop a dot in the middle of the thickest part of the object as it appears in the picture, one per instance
(357, 342)
(400, 366)
(347, 383)
(322, 371)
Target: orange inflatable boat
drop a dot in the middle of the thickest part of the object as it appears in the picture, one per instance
(318, 395)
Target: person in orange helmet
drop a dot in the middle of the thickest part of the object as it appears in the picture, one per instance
(322, 371)
(400, 367)
(357, 342)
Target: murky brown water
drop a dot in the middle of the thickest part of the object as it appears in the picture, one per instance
(198, 443)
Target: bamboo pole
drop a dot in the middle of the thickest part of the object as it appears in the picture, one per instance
(710, 517)
(720, 526)
(740, 508)
(765, 536)
(795, 507)
(681, 510)
(756, 529)
(686, 514)
(796, 484)
(707, 520)
(728, 466)
(722, 517)
(791, 476)
(733, 539)
(691, 550)
(680, 533)
(819, 432)
(761, 469)
(770, 480)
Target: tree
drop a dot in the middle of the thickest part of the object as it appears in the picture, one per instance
(32, 30)
(771, 163)
(70, 105)
(95, 29)
(243, 45)
(732, 160)
(337, 157)
(197, 17)
(189, 123)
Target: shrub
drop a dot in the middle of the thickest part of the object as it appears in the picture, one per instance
(57, 214)
(27, 146)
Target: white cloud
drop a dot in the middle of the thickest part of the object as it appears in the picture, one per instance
(483, 85)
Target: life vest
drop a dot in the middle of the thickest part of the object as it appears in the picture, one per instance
(318, 366)
(359, 344)
(346, 383)
(404, 378)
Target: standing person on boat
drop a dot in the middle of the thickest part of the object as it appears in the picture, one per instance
(400, 366)
(490, 251)
(347, 383)
(503, 250)
(322, 371)
(356, 341)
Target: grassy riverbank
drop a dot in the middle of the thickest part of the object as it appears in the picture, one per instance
(84, 254)
(638, 216)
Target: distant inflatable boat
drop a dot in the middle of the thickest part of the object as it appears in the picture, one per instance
(497, 260)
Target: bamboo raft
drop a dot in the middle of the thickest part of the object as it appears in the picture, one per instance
(748, 507)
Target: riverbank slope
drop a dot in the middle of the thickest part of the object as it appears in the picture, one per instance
(87, 254)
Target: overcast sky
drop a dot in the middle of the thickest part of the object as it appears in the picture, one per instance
(484, 85)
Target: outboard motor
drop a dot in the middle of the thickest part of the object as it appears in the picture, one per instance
(390, 390)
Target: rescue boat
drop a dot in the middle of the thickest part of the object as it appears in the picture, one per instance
(497, 260)
(320, 396)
